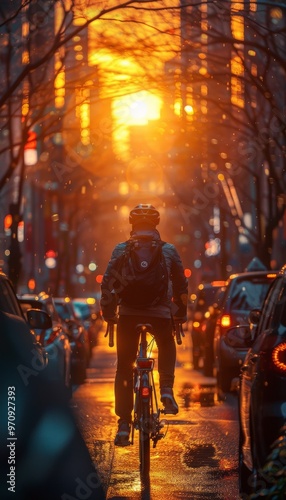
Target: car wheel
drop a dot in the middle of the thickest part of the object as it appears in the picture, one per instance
(208, 363)
(223, 379)
(220, 394)
(196, 350)
(196, 361)
(79, 374)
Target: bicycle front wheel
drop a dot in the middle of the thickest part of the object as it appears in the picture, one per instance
(144, 439)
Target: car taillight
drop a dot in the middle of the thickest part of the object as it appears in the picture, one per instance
(279, 357)
(225, 321)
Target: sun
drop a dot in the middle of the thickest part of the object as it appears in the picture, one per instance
(137, 108)
(138, 111)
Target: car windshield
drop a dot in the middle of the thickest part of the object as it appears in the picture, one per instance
(247, 295)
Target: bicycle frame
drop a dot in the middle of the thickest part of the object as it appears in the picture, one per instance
(146, 413)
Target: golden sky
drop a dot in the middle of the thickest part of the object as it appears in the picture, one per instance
(130, 47)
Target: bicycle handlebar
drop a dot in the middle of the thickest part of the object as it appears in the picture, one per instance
(110, 333)
(179, 333)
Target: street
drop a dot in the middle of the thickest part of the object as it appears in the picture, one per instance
(142, 150)
(198, 457)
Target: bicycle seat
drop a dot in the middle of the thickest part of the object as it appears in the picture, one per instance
(147, 327)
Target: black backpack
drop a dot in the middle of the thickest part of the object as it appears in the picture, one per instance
(143, 273)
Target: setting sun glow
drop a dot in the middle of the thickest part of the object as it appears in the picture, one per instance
(134, 109)
(137, 109)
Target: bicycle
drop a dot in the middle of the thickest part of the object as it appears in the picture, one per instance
(146, 412)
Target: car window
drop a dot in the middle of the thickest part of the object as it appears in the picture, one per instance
(8, 301)
(247, 295)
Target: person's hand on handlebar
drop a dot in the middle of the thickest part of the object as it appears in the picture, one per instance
(180, 319)
(111, 319)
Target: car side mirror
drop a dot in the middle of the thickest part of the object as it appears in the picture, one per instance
(39, 319)
(239, 336)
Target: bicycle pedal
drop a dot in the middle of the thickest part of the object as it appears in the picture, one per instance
(169, 411)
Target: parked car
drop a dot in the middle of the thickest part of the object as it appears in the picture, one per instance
(17, 335)
(262, 407)
(244, 292)
(78, 337)
(207, 332)
(54, 340)
(200, 302)
(49, 449)
(88, 311)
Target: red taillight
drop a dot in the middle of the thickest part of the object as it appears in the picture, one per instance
(225, 321)
(279, 357)
(145, 392)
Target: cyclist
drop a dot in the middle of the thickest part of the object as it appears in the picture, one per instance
(173, 307)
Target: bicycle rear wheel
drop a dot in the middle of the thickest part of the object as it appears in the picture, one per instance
(144, 439)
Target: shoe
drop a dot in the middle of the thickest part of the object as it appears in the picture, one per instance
(122, 436)
(168, 400)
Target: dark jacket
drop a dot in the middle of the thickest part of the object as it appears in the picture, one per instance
(175, 304)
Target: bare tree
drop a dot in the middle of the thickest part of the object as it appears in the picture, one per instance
(49, 79)
(224, 60)
(233, 74)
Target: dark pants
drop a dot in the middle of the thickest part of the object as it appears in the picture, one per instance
(127, 345)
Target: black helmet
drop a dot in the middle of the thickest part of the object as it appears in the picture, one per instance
(144, 212)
